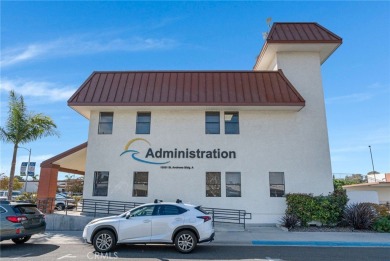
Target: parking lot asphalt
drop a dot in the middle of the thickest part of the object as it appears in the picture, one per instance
(257, 235)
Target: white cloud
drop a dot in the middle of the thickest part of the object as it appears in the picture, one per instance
(359, 141)
(48, 90)
(375, 85)
(81, 45)
(369, 92)
(353, 148)
(19, 55)
(355, 97)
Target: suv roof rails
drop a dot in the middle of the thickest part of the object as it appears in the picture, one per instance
(157, 201)
(179, 201)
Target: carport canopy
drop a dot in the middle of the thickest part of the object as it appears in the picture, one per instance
(70, 161)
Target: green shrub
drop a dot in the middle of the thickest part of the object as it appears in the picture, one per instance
(382, 224)
(380, 209)
(339, 200)
(360, 215)
(301, 205)
(326, 209)
(77, 200)
(27, 196)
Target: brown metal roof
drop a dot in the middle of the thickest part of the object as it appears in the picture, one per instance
(53, 161)
(290, 37)
(187, 88)
(301, 33)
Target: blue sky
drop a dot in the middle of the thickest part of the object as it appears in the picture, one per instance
(49, 48)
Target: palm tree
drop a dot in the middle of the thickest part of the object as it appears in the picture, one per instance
(23, 127)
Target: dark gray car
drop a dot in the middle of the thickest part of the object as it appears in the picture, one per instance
(19, 221)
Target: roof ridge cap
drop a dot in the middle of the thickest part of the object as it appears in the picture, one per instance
(295, 23)
(186, 71)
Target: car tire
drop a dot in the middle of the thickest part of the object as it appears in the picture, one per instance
(185, 241)
(21, 240)
(104, 241)
(60, 206)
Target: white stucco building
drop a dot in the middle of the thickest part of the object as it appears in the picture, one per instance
(225, 139)
(376, 190)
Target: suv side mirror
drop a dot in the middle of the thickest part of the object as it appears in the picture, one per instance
(128, 215)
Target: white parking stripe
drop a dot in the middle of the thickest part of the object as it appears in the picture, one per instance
(67, 256)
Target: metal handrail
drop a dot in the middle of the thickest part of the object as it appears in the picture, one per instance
(111, 207)
(106, 206)
(234, 216)
(220, 215)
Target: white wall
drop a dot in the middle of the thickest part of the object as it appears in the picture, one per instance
(362, 197)
(382, 192)
(32, 186)
(376, 178)
(268, 141)
(303, 70)
(295, 143)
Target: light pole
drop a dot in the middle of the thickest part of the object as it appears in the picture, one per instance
(372, 162)
(28, 165)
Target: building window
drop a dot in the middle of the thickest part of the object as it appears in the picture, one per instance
(143, 123)
(213, 184)
(276, 184)
(105, 122)
(140, 184)
(212, 122)
(231, 123)
(233, 184)
(100, 184)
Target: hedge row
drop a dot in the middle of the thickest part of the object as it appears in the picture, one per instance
(326, 209)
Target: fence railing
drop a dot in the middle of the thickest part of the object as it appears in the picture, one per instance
(223, 215)
(46, 205)
(108, 207)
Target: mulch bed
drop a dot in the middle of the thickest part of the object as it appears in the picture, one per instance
(329, 229)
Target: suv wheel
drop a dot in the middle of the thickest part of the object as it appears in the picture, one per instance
(185, 241)
(104, 241)
(21, 240)
(60, 206)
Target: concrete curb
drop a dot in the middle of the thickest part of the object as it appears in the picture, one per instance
(59, 222)
(321, 243)
(71, 226)
(253, 239)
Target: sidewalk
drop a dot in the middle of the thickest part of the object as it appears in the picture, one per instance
(273, 236)
(256, 236)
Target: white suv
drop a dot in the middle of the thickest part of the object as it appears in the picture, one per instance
(4, 194)
(62, 201)
(180, 224)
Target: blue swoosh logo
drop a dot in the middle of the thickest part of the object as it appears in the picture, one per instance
(141, 160)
